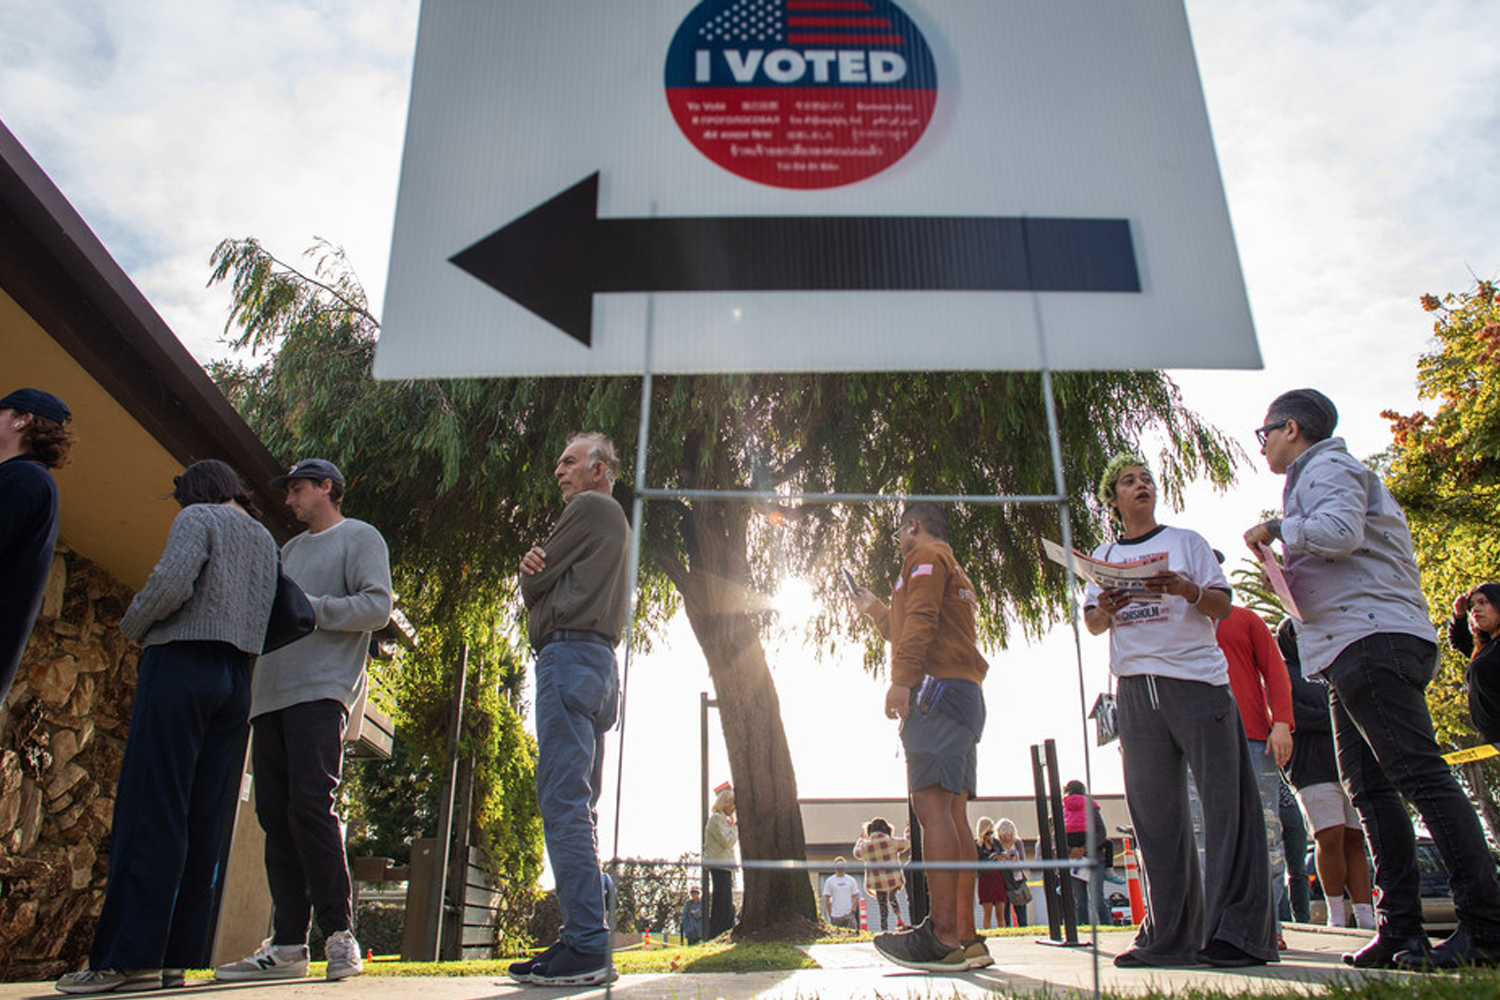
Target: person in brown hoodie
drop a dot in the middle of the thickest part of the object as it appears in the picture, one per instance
(936, 672)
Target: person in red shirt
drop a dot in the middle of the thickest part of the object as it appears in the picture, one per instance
(1258, 678)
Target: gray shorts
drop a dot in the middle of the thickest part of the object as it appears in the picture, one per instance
(1326, 805)
(939, 751)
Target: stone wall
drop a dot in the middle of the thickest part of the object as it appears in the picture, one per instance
(62, 738)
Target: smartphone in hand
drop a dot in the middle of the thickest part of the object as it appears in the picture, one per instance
(848, 579)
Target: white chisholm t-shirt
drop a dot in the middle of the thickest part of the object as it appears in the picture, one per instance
(1170, 637)
(841, 890)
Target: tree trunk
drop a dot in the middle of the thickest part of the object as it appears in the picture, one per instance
(716, 592)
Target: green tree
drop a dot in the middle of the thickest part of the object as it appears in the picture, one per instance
(649, 896)
(1444, 469)
(306, 391)
(1254, 593)
(481, 453)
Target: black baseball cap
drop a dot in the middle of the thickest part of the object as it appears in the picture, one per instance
(316, 469)
(39, 402)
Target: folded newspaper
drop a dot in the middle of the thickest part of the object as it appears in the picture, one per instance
(1129, 576)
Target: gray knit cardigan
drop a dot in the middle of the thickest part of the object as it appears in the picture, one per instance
(215, 581)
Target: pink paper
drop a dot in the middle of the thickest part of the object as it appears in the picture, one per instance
(1277, 579)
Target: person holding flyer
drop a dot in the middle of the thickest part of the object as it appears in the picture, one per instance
(1175, 707)
(1367, 631)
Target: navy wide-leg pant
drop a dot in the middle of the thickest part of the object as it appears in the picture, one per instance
(186, 745)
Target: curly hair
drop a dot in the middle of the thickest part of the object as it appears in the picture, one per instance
(49, 440)
(1111, 476)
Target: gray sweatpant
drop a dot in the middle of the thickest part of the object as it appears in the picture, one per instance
(1165, 726)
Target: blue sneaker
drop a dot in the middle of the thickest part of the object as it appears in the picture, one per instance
(569, 967)
(521, 971)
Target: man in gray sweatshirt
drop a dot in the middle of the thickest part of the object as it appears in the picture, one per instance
(577, 589)
(301, 695)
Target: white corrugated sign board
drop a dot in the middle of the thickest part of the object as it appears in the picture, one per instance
(808, 185)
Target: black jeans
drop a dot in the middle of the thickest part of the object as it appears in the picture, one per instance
(1386, 751)
(298, 755)
(1295, 904)
(720, 901)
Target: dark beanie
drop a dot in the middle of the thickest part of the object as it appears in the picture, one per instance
(38, 402)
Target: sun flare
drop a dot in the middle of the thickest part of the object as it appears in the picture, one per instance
(795, 602)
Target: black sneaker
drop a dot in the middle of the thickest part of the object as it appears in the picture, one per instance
(925, 925)
(521, 971)
(569, 967)
(1460, 950)
(920, 949)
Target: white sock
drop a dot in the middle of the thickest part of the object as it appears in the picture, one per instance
(1336, 915)
(1364, 916)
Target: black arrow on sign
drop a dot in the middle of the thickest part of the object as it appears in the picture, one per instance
(554, 258)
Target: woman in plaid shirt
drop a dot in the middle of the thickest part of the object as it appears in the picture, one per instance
(877, 846)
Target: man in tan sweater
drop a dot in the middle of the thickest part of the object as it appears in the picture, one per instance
(936, 672)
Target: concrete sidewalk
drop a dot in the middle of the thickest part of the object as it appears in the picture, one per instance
(1022, 966)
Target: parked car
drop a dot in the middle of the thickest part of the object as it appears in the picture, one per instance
(1437, 897)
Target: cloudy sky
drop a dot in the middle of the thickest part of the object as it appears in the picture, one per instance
(1359, 143)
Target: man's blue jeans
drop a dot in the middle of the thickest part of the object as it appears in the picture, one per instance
(577, 701)
(1268, 781)
(1105, 916)
(1386, 751)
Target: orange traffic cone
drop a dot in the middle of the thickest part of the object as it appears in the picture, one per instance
(1133, 880)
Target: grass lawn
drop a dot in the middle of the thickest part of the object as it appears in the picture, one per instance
(711, 957)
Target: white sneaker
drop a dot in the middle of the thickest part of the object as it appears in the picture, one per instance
(110, 981)
(343, 956)
(273, 961)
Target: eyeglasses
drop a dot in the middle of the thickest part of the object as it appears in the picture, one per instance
(1261, 433)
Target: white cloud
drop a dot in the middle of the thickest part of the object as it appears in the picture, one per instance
(171, 126)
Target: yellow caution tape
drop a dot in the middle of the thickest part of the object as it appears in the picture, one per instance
(1472, 754)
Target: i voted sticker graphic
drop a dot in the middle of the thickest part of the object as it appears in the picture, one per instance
(801, 93)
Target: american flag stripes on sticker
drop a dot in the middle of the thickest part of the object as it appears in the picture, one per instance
(801, 93)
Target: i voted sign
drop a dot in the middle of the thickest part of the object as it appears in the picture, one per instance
(801, 93)
(682, 186)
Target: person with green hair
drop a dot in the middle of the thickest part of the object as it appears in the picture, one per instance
(1175, 710)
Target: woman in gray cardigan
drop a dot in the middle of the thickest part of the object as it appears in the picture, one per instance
(202, 620)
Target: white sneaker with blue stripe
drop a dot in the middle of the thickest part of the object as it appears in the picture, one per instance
(272, 961)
